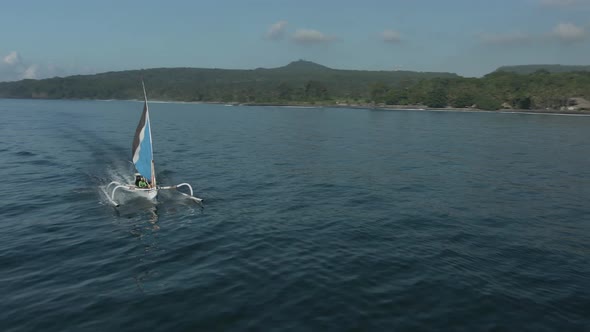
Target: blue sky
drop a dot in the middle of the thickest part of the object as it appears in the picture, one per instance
(41, 39)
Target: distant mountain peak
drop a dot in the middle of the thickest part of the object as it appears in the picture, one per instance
(552, 68)
(305, 65)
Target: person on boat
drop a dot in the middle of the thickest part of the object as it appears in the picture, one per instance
(141, 182)
(137, 179)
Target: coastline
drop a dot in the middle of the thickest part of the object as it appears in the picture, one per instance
(349, 106)
(415, 108)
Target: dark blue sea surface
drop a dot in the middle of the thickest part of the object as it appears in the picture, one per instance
(314, 219)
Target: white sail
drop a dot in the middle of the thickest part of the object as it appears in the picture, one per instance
(142, 151)
(143, 159)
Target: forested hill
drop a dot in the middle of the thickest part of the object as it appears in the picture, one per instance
(529, 69)
(297, 81)
(303, 82)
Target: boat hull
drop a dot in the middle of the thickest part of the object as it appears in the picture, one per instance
(149, 194)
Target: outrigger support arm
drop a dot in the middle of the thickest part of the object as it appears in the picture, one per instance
(196, 199)
(117, 185)
(114, 182)
(112, 196)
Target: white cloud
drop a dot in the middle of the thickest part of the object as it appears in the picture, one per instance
(30, 72)
(565, 4)
(13, 67)
(391, 36)
(563, 32)
(308, 36)
(277, 30)
(559, 3)
(513, 38)
(569, 33)
(13, 58)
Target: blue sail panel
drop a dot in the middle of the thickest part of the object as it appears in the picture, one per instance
(142, 146)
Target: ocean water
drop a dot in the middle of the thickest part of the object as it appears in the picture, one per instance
(313, 220)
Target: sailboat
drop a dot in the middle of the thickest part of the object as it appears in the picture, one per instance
(143, 159)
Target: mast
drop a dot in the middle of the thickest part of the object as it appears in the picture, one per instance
(153, 179)
(141, 150)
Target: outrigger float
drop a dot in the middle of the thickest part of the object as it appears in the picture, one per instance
(143, 160)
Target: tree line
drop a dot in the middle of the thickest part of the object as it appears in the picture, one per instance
(500, 89)
(307, 82)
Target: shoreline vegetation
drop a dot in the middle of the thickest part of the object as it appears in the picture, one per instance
(405, 108)
(531, 88)
(383, 107)
(375, 107)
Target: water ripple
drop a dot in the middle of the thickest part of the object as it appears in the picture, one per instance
(314, 219)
